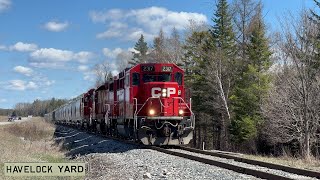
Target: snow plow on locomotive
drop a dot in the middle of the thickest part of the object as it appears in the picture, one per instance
(146, 102)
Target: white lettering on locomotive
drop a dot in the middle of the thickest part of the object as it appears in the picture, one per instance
(171, 91)
(156, 91)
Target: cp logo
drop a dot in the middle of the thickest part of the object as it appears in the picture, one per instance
(156, 91)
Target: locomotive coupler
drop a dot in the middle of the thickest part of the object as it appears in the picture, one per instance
(166, 130)
(180, 130)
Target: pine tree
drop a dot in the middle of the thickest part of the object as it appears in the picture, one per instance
(142, 48)
(253, 84)
(220, 69)
(222, 30)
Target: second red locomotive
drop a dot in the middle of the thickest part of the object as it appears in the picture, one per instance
(147, 102)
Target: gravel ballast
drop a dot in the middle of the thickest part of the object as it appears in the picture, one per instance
(255, 167)
(109, 159)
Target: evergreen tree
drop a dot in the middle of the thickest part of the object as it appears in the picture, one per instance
(194, 56)
(253, 85)
(142, 48)
(220, 70)
(222, 31)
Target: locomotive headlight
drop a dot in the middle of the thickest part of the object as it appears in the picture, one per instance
(151, 112)
(181, 112)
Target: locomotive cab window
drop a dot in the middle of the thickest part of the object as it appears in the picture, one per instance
(178, 78)
(156, 78)
(135, 79)
(149, 78)
(164, 78)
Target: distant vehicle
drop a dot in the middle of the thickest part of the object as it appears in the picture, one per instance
(12, 118)
(19, 118)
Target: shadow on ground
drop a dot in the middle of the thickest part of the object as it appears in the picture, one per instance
(78, 143)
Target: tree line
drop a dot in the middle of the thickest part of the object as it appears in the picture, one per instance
(36, 108)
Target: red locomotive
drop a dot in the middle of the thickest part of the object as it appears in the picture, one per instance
(146, 102)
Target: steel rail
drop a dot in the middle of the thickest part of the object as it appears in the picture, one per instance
(293, 170)
(239, 169)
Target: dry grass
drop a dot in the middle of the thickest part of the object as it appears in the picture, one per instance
(3, 118)
(313, 164)
(29, 141)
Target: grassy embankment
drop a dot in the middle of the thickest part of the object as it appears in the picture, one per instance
(313, 164)
(30, 141)
(3, 118)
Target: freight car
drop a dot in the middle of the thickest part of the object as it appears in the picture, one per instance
(147, 102)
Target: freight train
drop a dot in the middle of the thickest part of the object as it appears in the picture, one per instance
(148, 103)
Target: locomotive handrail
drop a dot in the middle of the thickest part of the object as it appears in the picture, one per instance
(185, 103)
(135, 115)
(147, 101)
(192, 114)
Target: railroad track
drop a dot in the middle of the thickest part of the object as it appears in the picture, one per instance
(224, 160)
(293, 170)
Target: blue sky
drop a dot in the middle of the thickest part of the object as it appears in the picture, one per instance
(49, 48)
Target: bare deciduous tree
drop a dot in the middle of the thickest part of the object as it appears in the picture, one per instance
(102, 71)
(293, 108)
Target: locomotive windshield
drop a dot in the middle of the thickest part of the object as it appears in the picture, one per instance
(156, 77)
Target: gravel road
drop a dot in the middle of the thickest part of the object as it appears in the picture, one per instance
(110, 159)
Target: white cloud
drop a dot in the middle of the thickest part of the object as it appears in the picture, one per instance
(110, 33)
(145, 21)
(23, 47)
(31, 85)
(112, 14)
(52, 54)
(21, 85)
(36, 82)
(115, 29)
(111, 53)
(56, 26)
(4, 5)
(3, 100)
(89, 76)
(56, 58)
(23, 70)
(52, 65)
(83, 68)
(49, 82)
(83, 56)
